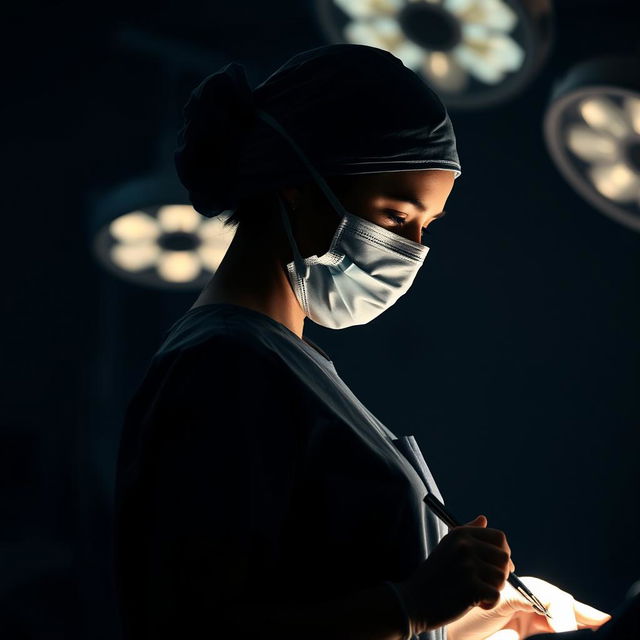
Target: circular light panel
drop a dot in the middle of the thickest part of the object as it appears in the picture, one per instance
(592, 130)
(473, 53)
(170, 246)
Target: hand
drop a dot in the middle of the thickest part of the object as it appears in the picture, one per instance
(467, 568)
(514, 618)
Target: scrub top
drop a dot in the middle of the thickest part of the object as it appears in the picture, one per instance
(250, 477)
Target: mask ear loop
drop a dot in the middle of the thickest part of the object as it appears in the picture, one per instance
(271, 121)
(301, 266)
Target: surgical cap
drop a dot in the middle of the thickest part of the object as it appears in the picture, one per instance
(351, 109)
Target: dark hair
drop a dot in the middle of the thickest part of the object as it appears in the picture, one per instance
(253, 210)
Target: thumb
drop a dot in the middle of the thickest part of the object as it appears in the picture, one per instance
(478, 521)
(589, 616)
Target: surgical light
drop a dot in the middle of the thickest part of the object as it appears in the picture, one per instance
(146, 232)
(592, 131)
(474, 53)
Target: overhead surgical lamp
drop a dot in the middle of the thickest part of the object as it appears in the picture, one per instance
(474, 53)
(592, 131)
(145, 231)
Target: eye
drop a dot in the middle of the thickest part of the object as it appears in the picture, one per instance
(400, 220)
(393, 215)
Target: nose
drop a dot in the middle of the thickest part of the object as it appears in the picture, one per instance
(413, 232)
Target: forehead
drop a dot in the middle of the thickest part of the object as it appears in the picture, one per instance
(421, 183)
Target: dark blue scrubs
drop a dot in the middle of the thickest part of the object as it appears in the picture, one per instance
(250, 477)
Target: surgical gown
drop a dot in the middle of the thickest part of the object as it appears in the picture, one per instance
(249, 476)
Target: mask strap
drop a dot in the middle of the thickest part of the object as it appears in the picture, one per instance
(301, 267)
(270, 120)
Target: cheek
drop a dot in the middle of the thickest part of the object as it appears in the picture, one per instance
(360, 204)
(316, 233)
(364, 206)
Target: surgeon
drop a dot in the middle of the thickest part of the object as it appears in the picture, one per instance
(256, 496)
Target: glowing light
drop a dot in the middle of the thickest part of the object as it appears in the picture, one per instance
(176, 217)
(439, 64)
(491, 13)
(368, 8)
(505, 52)
(592, 146)
(444, 72)
(211, 255)
(136, 226)
(487, 56)
(178, 266)
(632, 108)
(486, 51)
(411, 54)
(616, 182)
(214, 230)
(591, 130)
(137, 243)
(384, 33)
(475, 33)
(471, 58)
(459, 7)
(603, 114)
(135, 257)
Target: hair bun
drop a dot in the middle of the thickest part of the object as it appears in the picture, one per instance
(220, 110)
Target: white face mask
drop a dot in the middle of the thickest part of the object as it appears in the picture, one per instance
(366, 269)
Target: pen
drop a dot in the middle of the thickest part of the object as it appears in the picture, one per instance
(439, 510)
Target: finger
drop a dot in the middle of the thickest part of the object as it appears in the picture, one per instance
(492, 536)
(495, 556)
(478, 521)
(487, 596)
(516, 600)
(562, 613)
(588, 615)
(491, 574)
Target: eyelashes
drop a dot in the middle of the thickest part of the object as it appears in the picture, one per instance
(400, 220)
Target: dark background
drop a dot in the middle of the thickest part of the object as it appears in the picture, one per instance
(513, 360)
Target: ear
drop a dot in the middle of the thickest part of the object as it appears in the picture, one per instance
(292, 196)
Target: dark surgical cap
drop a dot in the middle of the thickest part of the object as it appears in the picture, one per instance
(350, 108)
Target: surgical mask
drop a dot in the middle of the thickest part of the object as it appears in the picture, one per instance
(366, 269)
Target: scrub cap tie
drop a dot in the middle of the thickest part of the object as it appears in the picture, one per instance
(352, 109)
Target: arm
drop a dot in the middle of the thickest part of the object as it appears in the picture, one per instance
(370, 614)
(225, 445)
(233, 438)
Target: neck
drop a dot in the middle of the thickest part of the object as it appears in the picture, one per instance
(253, 274)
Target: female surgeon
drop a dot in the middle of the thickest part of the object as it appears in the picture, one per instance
(255, 495)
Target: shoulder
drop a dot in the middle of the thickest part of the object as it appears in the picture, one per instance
(222, 333)
(226, 388)
(220, 353)
(233, 351)
(229, 368)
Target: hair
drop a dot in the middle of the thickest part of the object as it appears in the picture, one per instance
(256, 210)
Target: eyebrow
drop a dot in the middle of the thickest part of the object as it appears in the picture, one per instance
(416, 202)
